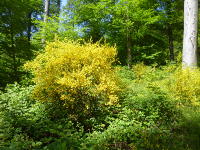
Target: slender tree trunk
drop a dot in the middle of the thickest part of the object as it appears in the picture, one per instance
(14, 67)
(46, 10)
(59, 7)
(171, 40)
(14, 63)
(128, 42)
(129, 54)
(190, 33)
(46, 14)
(29, 32)
(29, 27)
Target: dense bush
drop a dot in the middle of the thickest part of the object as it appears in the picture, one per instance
(79, 77)
(185, 86)
(29, 124)
(14, 111)
(189, 128)
(145, 120)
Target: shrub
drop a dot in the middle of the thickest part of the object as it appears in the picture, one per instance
(80, 77)
(29, 124)
(15, 116)
(184, 85)
(147, 74)
(152, 101)
(142, 70)
(144, 121)
(189, 128)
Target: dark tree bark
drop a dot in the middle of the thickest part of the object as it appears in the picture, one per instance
(129, 53)
(59, 6)
(29, 27)
(14, 75)
(170, 40)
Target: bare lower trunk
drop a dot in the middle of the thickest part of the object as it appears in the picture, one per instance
(14, 63)
(190, 33)
(29, 27)
(171, 45)
(46, 14)
(29, 32)
(129, 54)
(59, 6)
(46, 10)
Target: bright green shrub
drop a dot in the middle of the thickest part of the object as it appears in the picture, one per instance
(182, 85)
(151, 100)
(144, 121)
(125, 74)
(16, 117)
(189, 128)
(29, 124)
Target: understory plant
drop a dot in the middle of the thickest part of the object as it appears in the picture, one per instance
(29, 124)
(80, 77)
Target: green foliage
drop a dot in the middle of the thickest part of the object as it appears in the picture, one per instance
(189, 128)
(55, 28)
(152, 74)
(15, 111)
(143, 122)
(120, 22)
(145, 117)
(152, 101)
(15, 34)
(29, 124)
(125, 75)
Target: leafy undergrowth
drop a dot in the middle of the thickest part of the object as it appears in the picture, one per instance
(156, 108)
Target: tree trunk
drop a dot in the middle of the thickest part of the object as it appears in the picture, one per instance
(46, 10)
(128, 42)
(190, 33)
(129, 54)
(59, 7)
(14, 63)
(29, 32)
(29, 27)
(46, 14)
(171, 44)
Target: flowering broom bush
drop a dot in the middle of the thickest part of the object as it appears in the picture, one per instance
(81, 77)
(186, 86)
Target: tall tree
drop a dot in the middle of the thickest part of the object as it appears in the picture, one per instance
(171, 24)
(59, 6)
(190, 33)
(15, 35)
(46, 15)
(46, 10)
(121, 22)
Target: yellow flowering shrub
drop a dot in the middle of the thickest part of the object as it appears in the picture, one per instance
(142, 71)
(78, 75)
(185, 86)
